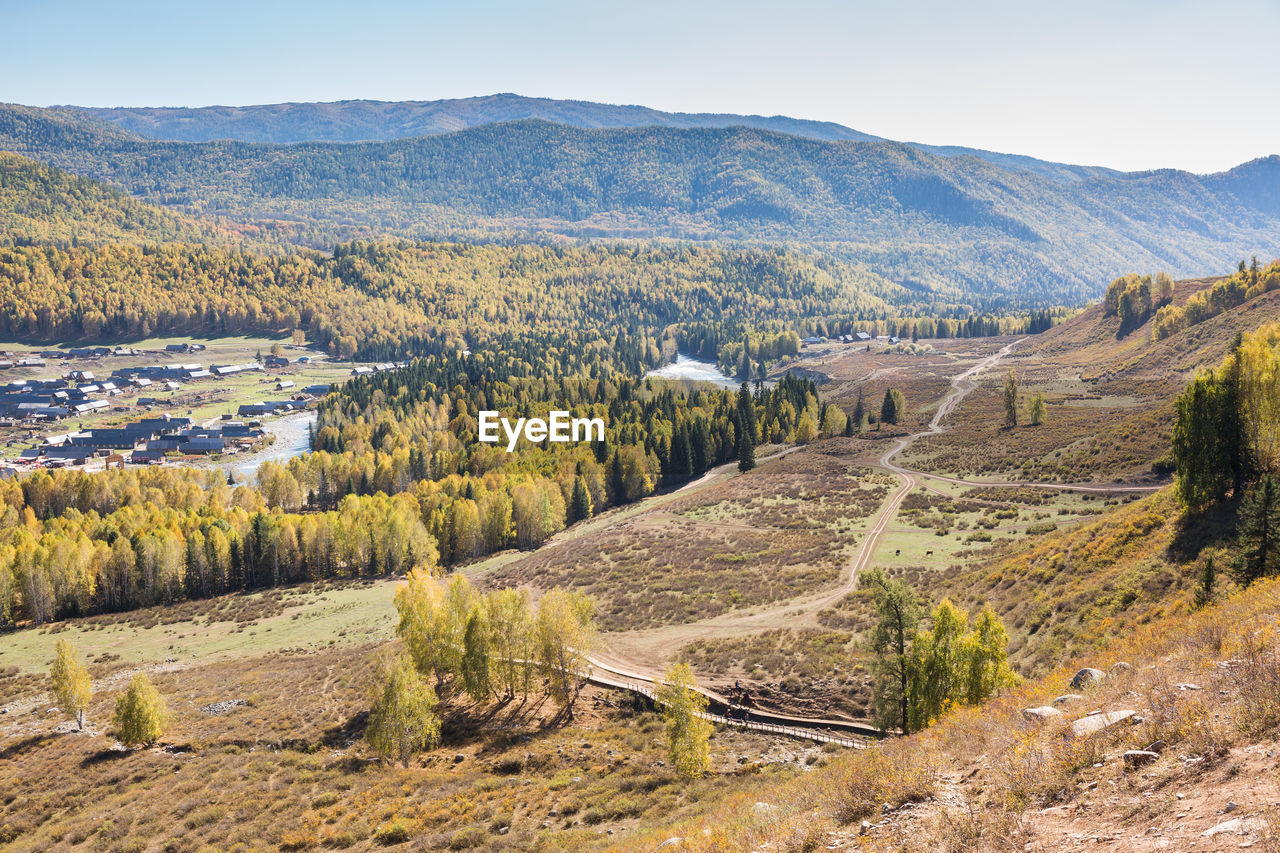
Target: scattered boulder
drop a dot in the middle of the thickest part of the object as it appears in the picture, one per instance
(1235, 826)
(1087, 677)
(1135, 758)
(1157, 747)
(671, 843)
(1120, 666)
(1188, 686)
(1067, 697)
(1040, 714)
(1230, 807)
(1095, 723)
(222, 707)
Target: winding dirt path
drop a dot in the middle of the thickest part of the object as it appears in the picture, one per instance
(640, 656)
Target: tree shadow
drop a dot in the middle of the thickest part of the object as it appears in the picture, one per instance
(102, 756)
(351, 729)
(17, 748)
(1214, 527)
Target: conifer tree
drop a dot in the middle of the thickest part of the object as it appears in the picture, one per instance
(1260, 531)
(1011, 399)
(580, 507)
(898, 616)
(1207, 588)
(746, 452)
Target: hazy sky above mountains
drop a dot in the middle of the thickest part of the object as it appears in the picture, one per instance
(1131, 84)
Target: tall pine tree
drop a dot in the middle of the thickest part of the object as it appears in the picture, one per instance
(1260, 531)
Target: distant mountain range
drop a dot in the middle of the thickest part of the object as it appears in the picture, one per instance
(979, 230)
(381, 121)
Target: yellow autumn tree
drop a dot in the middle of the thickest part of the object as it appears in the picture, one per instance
(688, 733)
(71, 686)
(141, 713)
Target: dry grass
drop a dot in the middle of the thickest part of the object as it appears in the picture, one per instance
(781, 531)
(1205, 689)
(804, 670)
(288, 771)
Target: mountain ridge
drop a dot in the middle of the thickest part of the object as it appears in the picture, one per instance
(960, 227)
(365, 120)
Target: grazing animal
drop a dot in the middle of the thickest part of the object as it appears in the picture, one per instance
(928, 553)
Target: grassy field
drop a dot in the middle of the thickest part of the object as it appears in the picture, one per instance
(784, 529)
(298, 618)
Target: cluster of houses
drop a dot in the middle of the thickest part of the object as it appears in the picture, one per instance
(855, 338)
(380, 367)
(54, 399)
(146, 440)
(9, 361)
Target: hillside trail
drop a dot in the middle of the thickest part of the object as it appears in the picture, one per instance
(643, 654)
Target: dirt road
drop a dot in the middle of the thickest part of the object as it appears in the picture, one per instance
(642, 655)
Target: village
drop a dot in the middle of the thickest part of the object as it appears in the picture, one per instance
(153, 406)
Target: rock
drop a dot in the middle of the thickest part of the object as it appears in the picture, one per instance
(1189, 686)
(1086, 726)
(1067, 697)
(1040, 714)
(865, 828)
(886, 808)
(1120, 666)
(1139, 758)
(1230, 807)
(1157, 747)
(671, 843)
(1235, 826)
(1087, 677)
(459, 758)
(1181, 796)
(503, 830)
(222, 707)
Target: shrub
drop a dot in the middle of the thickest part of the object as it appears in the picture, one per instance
(141, 714)
(392, 833)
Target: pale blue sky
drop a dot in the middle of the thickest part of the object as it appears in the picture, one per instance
(1124, 83)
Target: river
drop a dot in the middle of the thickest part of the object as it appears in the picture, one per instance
(293, 438)
(693, 370)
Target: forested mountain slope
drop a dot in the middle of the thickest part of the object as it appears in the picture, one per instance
(958, 227)
(369, 121)
(43, 204)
